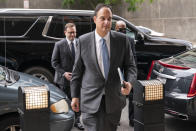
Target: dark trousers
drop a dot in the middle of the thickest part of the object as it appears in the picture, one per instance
(66, 89)
(101, 121)
(131, 106)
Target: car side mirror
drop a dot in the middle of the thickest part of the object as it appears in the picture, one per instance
(140, 38)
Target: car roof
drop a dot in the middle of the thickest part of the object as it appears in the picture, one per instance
(18, 11)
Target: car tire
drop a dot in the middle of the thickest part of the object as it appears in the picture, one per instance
(40, 72)
(10, 122)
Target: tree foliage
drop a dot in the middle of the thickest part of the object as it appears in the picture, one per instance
(133, 4)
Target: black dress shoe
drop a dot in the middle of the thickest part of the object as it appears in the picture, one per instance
(79, 126)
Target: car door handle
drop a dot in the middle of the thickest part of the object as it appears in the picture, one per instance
(164, 75)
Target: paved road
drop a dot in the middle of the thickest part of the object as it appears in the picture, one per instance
(171, 124)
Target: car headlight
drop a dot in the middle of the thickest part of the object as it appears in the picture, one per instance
(60, 107)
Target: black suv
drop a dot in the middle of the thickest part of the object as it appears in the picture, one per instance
(27, 38)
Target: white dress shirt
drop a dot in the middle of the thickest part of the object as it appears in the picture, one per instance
(69, 43)
(98, 42)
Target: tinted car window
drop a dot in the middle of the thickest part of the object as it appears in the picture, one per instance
(56, 29)
(130, 33)
(83, 24)
(2, 75)
(11, 25)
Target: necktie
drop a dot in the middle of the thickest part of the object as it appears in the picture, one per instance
(105, 57)
(73, 50)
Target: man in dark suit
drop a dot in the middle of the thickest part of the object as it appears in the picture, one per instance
(95, 77)
(63, 57)
(121, 27)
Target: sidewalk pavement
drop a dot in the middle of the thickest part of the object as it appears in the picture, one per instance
(124, 122)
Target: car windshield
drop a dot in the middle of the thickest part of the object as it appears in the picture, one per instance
(2, 74)
(8, 77)
(188, 58)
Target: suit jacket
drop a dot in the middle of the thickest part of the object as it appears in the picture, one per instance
(132, 42)
(62, 61)
(88, 81)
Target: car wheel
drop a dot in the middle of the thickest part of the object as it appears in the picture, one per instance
(41, 73)
(10, 123)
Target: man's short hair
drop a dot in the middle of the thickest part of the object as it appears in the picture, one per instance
(69, 25)
(99, 6)
(120, 22)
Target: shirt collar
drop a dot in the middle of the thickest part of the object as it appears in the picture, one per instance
(69, 42)
(98, 37)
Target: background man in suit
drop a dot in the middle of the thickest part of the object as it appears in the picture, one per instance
(95, 77)
(121, 27)
(63, 57)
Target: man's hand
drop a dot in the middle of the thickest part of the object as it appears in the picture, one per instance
(126, 90)
(67, 75)
(75, 104)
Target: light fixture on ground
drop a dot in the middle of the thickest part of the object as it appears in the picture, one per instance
(33, 106)
(148, 99)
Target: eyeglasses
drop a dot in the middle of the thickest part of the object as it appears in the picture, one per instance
(71, 32)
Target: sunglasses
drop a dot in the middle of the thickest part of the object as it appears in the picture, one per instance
(122, 30)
